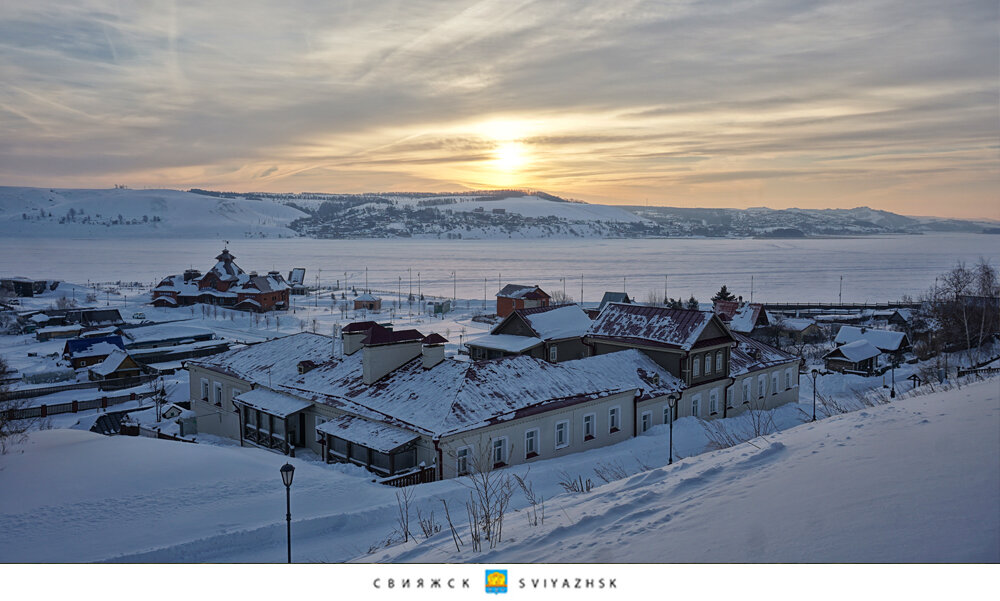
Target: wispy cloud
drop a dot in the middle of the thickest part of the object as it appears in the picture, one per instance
(724, 103)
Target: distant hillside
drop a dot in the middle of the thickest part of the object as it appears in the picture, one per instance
(492, 214)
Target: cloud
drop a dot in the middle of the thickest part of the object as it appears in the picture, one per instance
(245, 94)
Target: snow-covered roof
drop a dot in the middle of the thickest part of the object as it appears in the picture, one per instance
(553, 323)
(453, 396)
(506, 342)
(91, 347)
(751, 355)
(58, 329)
(885, 340)
(110, 363)
(642, 324)
(518, 291)
(745, 318)
(367, 297)
(856, 351)
(166, 331)
(372, 434)
(40, 318)
(796, 324)
(613, 297)
(271, 402)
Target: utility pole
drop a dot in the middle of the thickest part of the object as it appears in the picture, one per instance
(409, 270)
(840, 296)
(399, 292)
(623, 286)
(751, 288)
(581, 290)
(366, 278)
(664, 289)
(454, 290)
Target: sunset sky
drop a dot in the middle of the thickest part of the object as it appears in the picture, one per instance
(889, 104)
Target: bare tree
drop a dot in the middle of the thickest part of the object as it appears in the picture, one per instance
(561, 298)
(490, 493)
(13, 429)
(403, 498)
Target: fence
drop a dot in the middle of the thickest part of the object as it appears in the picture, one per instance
(72, 406)
(978, 371)
(116, 384)
(421, 476)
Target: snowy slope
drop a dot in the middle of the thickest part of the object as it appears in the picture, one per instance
(913, 481)
(138, 214)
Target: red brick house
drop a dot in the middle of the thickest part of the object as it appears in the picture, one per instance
(225, 284)
(514, 296)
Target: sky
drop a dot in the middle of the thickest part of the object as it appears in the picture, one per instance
(893, 104)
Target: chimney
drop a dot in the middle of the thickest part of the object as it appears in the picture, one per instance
(432, 350)
(381, 358)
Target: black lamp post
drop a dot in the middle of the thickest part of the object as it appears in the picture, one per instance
(815, 373)
(671, 403)
(892, 392)
(287, 472)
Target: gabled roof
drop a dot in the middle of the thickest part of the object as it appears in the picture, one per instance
(885, 340)
(751, 355)
(111, 363)
(271, 402)
(435, 339)
(741, 317)
(506, 342)
(614, 297)
(519, 291)
(856, 351)
(372, 434)
(552, 323)
(367, 297)
(656, 326)
(359, 326)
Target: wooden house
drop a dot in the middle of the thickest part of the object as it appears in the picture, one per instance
(553, 333)
(86, 352)
(118, 364)
(515, 296)
(856, 357)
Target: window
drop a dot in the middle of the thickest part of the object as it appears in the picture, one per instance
(708, 363)
(774, 382)
(234, 392)
(646, 420)
(713, 402)
(614, 419)
(552, 353)
(696, 405)
(695, 367)
(204, 389)
(788, 379)
(500, 452)
(320, 436)
(462, 460)
(761, 385)
(729, 397)
(218, 394)
(718, 361)
(562, 434)
(666, 413)
(531, 444)
(746, 390)
(588, 426)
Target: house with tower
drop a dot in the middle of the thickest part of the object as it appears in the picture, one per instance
(226, 285)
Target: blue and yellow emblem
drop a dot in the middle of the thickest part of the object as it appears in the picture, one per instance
(496, 581)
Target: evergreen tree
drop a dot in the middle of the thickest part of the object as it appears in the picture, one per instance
(724, 295)
(692, 303)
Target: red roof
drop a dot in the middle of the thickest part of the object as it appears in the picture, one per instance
(359, 326)
(659, 326)
(435, 339)
(380, 335)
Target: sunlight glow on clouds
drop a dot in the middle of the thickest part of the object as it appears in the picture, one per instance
(887, 103)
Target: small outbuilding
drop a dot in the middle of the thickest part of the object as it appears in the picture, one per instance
(368, 302)
(857, 357)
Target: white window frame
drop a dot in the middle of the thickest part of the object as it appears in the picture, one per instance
(774, 383)
(553, 353)
(614, 419)
(713, 401)
(565, 443)
(206, 390)
(589, 426)
(718, 361)
(666, 413)
(708, 363)
(461, 458)
(696, 366)
(217, 397)
(533, 448)
(747, 389)
(696, 405)
(788, 379)
(761, 386)
(729, 396)
(501, 445)
(645, 421)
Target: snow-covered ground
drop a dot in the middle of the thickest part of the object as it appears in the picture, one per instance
(914, 480)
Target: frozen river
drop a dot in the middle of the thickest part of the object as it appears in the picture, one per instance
(873, 268)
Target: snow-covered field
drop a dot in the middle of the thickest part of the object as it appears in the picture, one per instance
(914, 480)
(873, 268)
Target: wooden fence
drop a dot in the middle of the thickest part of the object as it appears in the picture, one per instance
(978, 371)
(427, 474)
(115, 384)
(72, 406)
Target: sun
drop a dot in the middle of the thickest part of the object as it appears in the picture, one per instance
(510, 157)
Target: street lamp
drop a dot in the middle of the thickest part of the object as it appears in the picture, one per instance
(892, 392)
(287, 471)
(815, 373)
(672, 403)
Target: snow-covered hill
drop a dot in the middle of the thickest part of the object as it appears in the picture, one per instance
(43, 212)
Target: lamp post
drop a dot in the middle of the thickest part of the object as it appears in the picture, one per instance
(815, 373)
(892, 391)
(287, 471)
(672, 403)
